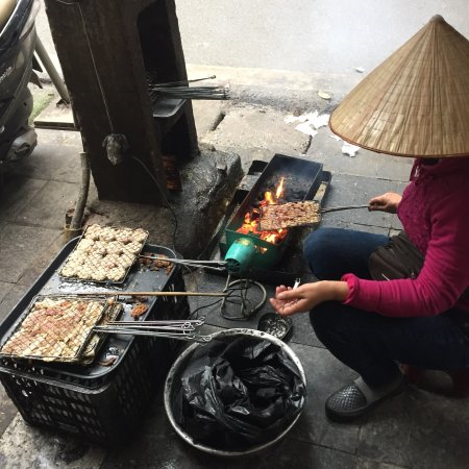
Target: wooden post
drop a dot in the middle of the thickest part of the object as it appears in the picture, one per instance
(105, 48)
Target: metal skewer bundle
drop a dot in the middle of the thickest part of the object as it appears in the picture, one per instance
(185, 329)
(183, 90)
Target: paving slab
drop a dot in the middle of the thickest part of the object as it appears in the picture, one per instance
(250, 154)
(324, 375)
(4, 289)
(326, 149)
(8, 412)
(393, 167)
(52, 163)
(260, 127)
(16, 194)
(20, 247)
(50, 204)
(59, 138)
(9, 301)
(418, 430)
(208, 115)
(23, 446)
(43, 259)
(363, 463)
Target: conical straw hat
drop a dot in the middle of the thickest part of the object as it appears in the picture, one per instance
(416, 103)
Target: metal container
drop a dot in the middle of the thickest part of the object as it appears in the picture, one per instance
(178, 366)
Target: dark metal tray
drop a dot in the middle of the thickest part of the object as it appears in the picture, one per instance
(50, 283)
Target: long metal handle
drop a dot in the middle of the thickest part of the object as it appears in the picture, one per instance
(344, 207)
(149, 293)
(161, 322)
(182, 261)
(195, 263)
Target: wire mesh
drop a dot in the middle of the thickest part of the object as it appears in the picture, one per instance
(104, 254)
(54, 329)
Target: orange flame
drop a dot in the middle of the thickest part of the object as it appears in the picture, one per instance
(251, 218)
(280, 190)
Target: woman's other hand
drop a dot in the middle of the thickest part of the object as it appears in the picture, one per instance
(387, 202)
(289, 301)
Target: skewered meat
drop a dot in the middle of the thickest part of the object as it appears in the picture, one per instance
(276, 216)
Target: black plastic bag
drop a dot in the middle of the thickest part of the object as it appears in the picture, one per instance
(237, 392)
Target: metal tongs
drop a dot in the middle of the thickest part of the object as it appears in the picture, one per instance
(185, 329)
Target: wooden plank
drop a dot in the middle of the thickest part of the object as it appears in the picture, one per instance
(99, 48)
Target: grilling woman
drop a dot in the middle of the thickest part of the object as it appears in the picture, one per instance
(375, 325)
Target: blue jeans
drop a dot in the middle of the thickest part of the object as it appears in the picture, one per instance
(367, 342)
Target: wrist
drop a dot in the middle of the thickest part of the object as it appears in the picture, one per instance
(335, 290)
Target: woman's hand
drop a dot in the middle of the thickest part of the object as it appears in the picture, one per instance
(304, 298)
(385, 203)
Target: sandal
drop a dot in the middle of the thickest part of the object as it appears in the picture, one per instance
(357, 398)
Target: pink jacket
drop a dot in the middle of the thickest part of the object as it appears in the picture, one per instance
(434, 212)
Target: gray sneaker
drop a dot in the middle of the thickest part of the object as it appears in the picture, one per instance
(357, 398)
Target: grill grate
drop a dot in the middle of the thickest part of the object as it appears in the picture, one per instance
(54, 329)
(104, 254)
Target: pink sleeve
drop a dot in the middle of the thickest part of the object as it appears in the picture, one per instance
(442, 280)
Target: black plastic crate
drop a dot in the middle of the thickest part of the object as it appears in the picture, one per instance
(104, 406)
(106, 415)
(95, 375)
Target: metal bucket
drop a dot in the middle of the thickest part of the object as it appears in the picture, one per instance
(178, 366)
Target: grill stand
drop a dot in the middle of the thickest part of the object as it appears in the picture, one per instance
(290, 261)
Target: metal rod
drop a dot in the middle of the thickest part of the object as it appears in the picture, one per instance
(193, 337)
(150, 293)
(345, 207)
(196, 264)
(182, 261)
(51, 70)
(141, 327)
(198, 322)
(183, 82)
